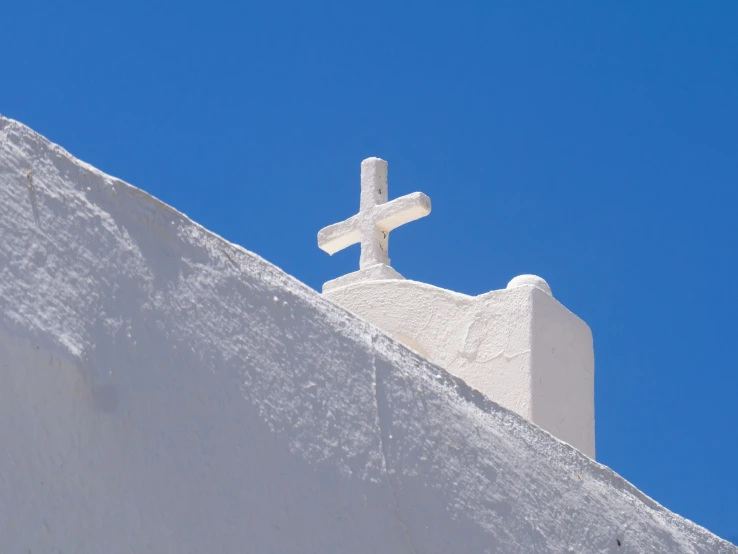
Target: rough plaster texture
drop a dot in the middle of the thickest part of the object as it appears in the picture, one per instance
(519, 346)
(166, 391)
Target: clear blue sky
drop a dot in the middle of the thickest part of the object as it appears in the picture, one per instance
(592, 143)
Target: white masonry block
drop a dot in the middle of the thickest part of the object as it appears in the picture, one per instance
(518, 346)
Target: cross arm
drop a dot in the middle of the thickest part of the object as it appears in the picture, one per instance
(403, 210)
(338, 236)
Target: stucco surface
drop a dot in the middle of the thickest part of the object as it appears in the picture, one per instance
(166, 391)
(518, 346)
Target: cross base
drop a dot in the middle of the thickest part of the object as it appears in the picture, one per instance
(377, 272)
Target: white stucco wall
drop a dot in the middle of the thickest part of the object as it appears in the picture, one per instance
(518, 346)
(165, 391)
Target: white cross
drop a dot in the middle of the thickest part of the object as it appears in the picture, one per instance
(376, 217)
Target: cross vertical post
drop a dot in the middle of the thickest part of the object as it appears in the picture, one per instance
(374, 241)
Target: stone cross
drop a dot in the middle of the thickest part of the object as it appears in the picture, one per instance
(376, 217)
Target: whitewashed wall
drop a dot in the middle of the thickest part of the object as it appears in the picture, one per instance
(165, 391)
(519, 346)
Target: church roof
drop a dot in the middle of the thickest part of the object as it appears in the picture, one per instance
(167, 391)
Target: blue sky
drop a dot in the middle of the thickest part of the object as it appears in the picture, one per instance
(592, 143)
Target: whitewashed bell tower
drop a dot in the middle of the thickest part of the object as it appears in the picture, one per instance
(519, 346)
